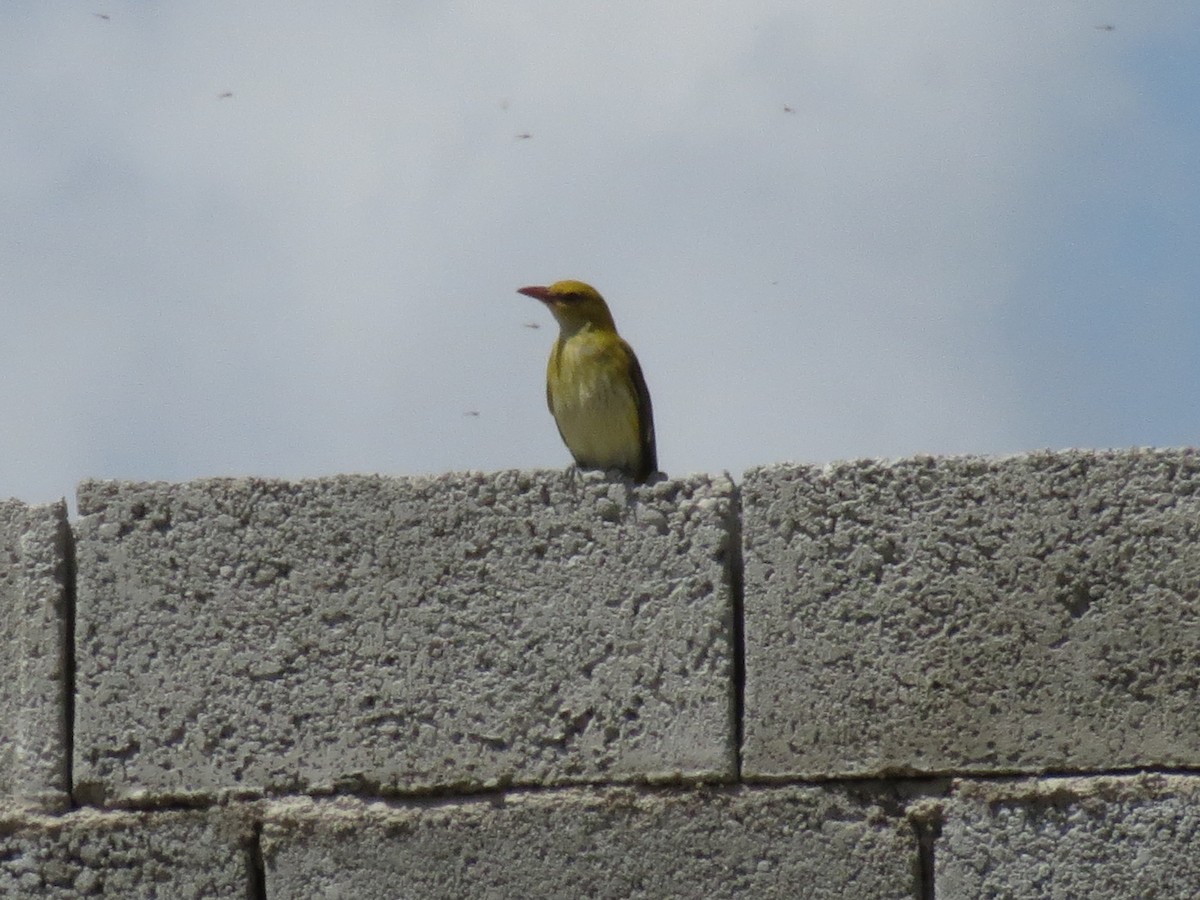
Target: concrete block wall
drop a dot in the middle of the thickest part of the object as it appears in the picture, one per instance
(36, 584)
(927, 678)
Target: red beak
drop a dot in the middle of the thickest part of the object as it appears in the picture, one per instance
(537, 293)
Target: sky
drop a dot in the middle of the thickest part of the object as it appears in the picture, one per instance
(284, 239)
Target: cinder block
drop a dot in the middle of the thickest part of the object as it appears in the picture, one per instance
(388, 635)
(1116, 838)
(34, 615)
(1036, 613)
(153, 855)
(619, 843)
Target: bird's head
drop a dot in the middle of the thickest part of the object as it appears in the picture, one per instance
(575, 305)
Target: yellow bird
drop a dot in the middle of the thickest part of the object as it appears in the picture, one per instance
(594, 385)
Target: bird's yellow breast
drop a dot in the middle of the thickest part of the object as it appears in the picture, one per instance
(592, 397)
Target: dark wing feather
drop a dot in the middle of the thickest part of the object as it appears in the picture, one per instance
(649, 451)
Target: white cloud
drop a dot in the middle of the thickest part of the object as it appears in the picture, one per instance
(317, 273)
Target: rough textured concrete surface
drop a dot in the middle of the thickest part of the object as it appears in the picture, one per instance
(618, 843)
(34, 616)
(1029, 614)
(1116, 838)
(389, 635)
(125, 855)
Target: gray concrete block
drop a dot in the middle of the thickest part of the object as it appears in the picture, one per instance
(619, 843)
(1036, 613)
(88, 853)
(34, 615)
(1116, 838)
(390, 635)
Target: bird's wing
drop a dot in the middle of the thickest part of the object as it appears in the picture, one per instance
(649, 451)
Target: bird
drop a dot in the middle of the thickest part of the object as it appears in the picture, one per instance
(594, 384)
